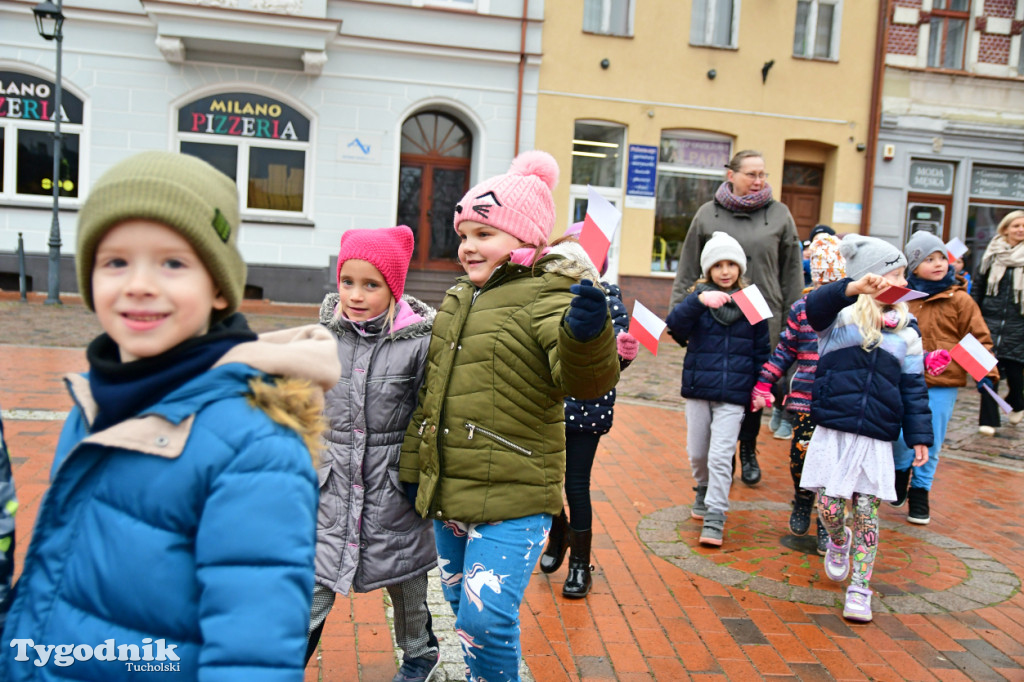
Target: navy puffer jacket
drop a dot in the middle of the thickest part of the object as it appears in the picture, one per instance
(869, 393)
(595, 416)
(722, 361)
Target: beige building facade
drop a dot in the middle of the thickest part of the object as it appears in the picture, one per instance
(646, 103)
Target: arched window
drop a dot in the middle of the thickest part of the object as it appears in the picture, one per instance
(434, 174)
(261, 143)
(26, 137)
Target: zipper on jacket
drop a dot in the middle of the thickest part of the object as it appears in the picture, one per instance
(422, 426)
(472, 428)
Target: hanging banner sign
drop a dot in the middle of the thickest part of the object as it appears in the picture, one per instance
(244, 115)
(31, 98)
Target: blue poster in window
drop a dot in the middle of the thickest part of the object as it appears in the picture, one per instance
(641, 176)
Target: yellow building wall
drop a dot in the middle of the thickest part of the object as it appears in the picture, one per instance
(807, 110)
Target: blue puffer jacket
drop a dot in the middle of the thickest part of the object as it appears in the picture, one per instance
(188, 529)
(869, 393)
(722, 361)
(595, 416)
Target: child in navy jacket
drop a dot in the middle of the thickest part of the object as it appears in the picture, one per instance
(869, 384)
(723, 355)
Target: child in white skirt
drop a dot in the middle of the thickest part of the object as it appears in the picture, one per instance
(869, 384)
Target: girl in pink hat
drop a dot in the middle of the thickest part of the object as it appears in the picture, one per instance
(484, 456)
(368, 534)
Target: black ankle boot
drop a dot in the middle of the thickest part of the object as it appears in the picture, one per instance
(800, 518)
(577, 584)
(751, 473)
(554, 553)
(919, 512)
(902, 483)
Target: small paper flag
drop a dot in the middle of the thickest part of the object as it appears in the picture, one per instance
(973, 357)
(646, 327)
(956, 248)
(1003, 405)
(899, 295)
(599, 227)
(752, 303)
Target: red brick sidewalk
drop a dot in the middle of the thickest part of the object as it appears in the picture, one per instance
(948, 603)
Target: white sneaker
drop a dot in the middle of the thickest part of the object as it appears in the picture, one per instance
(987, 430)
(1015, 417)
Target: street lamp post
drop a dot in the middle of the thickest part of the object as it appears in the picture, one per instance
(49, 21)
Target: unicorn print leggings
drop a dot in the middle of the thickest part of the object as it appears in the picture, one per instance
(832, 511)
(485, 568)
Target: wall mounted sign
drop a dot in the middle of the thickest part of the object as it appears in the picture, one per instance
(695, 153)
(999, 183)
(641, 176)
(31, 98)
(931, 176)
(244, 115)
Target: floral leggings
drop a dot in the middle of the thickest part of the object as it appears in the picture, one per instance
(832, 512)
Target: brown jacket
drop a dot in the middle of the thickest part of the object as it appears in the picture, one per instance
(944, 319)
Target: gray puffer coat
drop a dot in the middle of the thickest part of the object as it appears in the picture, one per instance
(368, 535)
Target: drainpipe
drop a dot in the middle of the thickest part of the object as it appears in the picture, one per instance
(875, 121)
(522, 69)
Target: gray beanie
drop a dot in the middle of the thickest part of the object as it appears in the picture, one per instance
(921, 245)
(866, 255)
(722, 247)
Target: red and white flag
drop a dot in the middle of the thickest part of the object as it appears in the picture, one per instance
(896, 294)
(599, 227)
(973, 357)
(752, 303)
(955, 248)
(646, 327)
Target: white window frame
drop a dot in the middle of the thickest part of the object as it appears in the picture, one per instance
(606, 16)
(711, 6)
(811, 29)
(483, 6)
(245, 144)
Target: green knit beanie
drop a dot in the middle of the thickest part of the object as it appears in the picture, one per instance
(176, 190)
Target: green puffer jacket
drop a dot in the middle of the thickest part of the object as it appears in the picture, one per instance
(487, 439)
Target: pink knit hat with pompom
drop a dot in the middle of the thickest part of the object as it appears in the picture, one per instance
(389, 249)
(518, 202)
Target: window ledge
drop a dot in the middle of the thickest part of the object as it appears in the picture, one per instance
(827, 60)
(66, 204)
(298, 221)
(608, 35)
(660, 274)
(732, 48)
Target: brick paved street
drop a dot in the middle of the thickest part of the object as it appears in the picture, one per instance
(948, 602)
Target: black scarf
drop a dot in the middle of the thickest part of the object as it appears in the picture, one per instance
(932, 287)
(125, 389)
(727, 314)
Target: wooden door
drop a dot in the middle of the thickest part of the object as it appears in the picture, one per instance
(801, 193)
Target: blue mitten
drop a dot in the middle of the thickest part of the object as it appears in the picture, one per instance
(985, 381)
(411, 490)
(587, 311)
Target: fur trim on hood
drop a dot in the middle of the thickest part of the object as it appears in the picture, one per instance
(341, 326)
(572, 261)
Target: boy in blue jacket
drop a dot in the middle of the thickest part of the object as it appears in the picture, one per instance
(178, 531)
(8, 506)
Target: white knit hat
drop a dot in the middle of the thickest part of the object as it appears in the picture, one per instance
(722, 247)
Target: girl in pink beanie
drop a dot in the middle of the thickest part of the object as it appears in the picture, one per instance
(368, 534)
(484, 456)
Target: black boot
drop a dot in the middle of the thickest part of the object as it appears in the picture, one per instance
(577, 584)
(751, 473)
(919, 512)
(800, 518)
(554, 553)
(902, 483)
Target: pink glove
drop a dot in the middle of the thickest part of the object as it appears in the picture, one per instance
(761, 396)
(627, 345)
(715, 299)
(937, 361)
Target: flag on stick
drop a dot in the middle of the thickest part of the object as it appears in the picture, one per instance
(646, 327)
(599, 227)
(973, 357)
(896, 294)
(956, 248)
(752, 303)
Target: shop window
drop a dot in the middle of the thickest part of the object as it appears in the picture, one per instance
(994, 192)
(26, 138)
(259, 142)
(597, 152)
(691, 167)
(714, 22)
(611, 17)
(816, 34)
(436, 155)
(948, 33)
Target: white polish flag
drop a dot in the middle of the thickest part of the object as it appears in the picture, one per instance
(646, 327)
(599, 227)
(973, 357)
(752, 303)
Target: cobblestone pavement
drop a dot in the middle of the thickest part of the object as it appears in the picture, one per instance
(948, 604)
